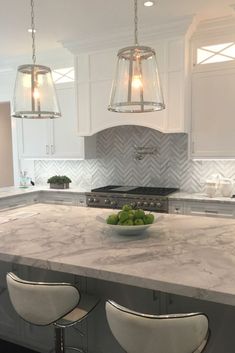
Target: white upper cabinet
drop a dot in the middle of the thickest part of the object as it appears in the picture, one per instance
(57, 138)
(213, 107)
(213, 87)
(95, 72)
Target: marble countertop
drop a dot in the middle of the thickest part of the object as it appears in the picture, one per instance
(15, 191)
(177, 196)
(185, 196)
(184, 255)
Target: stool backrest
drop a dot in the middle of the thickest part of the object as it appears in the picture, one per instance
(41, 303)
(141, 333)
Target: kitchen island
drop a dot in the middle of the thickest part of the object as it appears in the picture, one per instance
(184, 255)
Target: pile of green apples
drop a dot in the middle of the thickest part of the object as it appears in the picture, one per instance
(129, 217)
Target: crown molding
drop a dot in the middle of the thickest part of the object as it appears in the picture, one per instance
(217, 27)
(123, 37)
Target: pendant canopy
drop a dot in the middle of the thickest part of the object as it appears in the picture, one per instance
(35, 95)
(136, 87)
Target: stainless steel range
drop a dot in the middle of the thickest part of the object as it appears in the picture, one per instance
(147, 198)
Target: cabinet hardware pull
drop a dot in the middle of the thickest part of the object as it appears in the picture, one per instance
(47, 149)
(52, 149)
(210, 211)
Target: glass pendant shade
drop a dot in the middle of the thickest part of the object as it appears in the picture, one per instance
(35, 94)
(136, 87)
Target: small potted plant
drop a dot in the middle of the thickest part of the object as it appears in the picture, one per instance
(59, 182)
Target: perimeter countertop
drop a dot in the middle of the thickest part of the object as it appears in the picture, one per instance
(191, 256)
(185, 196)
(12, 191)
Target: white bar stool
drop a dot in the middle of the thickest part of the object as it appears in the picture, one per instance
(141, 333)
(60, 304)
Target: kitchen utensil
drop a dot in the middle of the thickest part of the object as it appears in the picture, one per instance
(211, 188)
(226, 187)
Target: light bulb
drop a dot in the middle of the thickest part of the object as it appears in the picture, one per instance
(136, 82)
(36, 94)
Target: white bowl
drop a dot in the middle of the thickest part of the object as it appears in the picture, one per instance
(125, 230)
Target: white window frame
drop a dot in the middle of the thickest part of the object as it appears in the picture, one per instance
(205, 42)
(70, 68)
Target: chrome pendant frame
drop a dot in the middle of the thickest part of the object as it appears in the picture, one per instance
(132, 54)
(28, 102)
(136, 87)
(33, 70)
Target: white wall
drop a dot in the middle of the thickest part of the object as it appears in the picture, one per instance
(6, 153)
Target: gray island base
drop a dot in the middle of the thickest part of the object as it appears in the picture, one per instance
(190, 258)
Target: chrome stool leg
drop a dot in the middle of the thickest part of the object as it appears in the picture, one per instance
(59, 340)
(74, 349)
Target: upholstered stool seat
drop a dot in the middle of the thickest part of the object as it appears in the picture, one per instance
(141, 333)
(58, 304)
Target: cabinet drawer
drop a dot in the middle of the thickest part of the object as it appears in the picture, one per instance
(209, 209)
(17, 201)
(176, 207)
(81, 200)
(58, 198)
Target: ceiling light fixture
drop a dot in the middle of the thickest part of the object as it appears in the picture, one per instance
(136, 87)
(148, 3)
(35, 95)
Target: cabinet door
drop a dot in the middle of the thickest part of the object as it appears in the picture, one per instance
(221, 320)
(60, 198)
(176, 207)
(209, 209)
(65, 142)
(213, 106)
(33, 137)
(9, 320)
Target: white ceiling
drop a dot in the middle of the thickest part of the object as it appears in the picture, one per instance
(62, 20)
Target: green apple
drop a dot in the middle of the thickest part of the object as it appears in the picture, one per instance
(138, 222)
(112, 219)
(148, 218)
(139, 213)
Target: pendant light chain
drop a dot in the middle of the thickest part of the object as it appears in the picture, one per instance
(33, 33)
(136, 22)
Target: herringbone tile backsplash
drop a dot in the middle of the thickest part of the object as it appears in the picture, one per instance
(115, 162)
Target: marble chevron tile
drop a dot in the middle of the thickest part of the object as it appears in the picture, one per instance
(115, 162)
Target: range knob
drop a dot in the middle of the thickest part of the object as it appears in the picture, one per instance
(159, 204)
(133, 204)
(96, 200)
(106, 201)
(90, 199)
(139, 203)
(113, 203)
(146, 204)
(152, 204)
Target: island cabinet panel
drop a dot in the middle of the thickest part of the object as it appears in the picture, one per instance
(56, 138)
(9, 320)
(221, 320)
(95, 72)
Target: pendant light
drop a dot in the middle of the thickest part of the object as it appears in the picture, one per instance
(35, 95)
(136, 87)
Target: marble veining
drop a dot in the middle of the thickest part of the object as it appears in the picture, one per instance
(184, 255)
